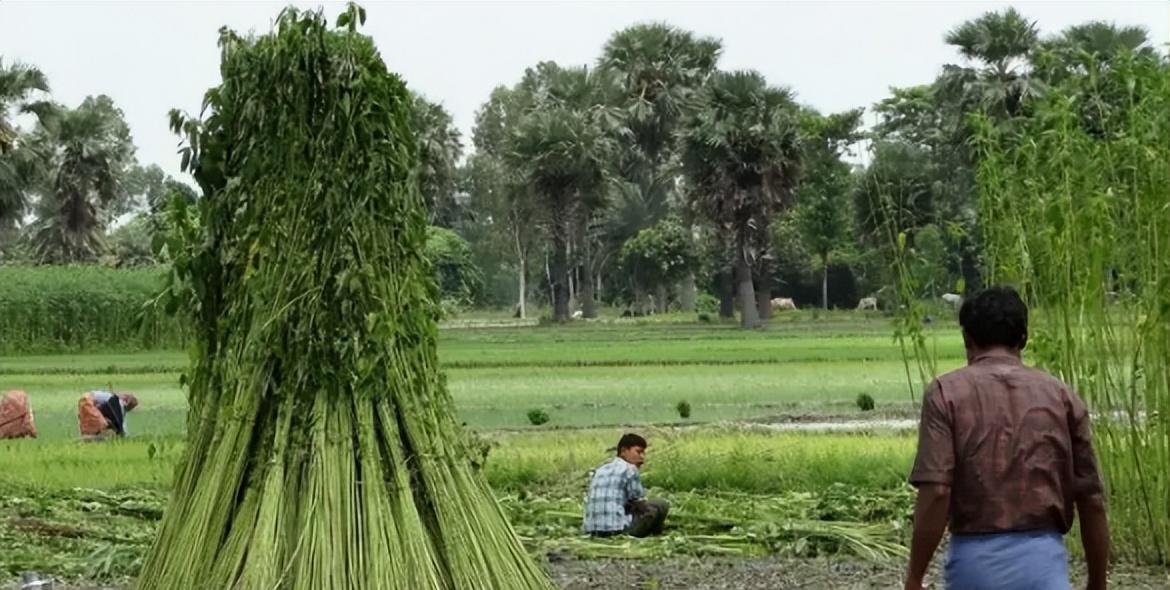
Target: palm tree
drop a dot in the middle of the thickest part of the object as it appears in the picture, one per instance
(86, 153)
(741, 157)
(17, 83)
(660, 69)
(439, 151)
(999, 44)
(565, 145)
(1101, 40)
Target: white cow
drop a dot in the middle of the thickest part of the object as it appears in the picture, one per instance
(953, 299)
(867, 303)
(578, 314)
(783, 304)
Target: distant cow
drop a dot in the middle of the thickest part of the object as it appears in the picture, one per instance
(783, 304)
(952, 299)
(578, 314)
(867, 303)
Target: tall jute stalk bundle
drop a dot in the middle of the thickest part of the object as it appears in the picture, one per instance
(322, 450)
(1075, 210)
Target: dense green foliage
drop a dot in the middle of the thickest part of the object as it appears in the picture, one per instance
(323, 451)
(1097, 181)
(658, 258)
(459, 280)
(82, 308)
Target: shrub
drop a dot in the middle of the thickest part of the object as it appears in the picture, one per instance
(707, 303)
(537, 416)
(865, 402)
(684, 409)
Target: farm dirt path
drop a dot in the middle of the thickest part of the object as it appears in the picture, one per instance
(775, 573)
(750, 574)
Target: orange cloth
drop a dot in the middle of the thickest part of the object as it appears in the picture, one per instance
(90, 420)
(16, 417)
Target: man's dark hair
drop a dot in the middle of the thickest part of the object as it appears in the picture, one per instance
(995, 316)
(630, 440)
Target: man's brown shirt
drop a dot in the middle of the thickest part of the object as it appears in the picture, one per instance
(1013, 443)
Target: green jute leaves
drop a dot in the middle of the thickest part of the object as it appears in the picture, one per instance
(322, 451)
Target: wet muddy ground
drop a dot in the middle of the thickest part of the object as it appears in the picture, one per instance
(747, 574)
(773, 573)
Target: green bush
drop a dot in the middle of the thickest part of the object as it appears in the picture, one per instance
(707, 303)
(865, 402)
(450, 255)
(47, 309)
(684, 409)
(537, 416)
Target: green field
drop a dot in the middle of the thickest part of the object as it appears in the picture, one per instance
(581, 375)
(595, 380)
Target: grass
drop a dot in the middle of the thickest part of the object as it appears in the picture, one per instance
(583, 344)
(733, 492)
(710, 459)
(582, 375)
(499, 398)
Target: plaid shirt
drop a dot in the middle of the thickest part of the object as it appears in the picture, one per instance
(613, 484)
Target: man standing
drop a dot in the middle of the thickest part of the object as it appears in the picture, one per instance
(617, 501)
(1005, 454)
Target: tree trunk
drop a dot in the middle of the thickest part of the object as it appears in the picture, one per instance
(825, 285)
(660, 299)
(522, 258)
(764, 303)
(764, 292)
(749, 316)
(560, 279)
(727, 293)
(585, 282)
(552, 295)
(639, 301)
(571, 284)
(687, 293)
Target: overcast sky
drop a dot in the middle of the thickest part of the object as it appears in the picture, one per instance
(154, 56)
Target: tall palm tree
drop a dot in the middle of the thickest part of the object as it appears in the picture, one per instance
(565, 145)
(1102, 40)
(439, 151)
(741, 156)
(660, 69)
(17, 83)
(86, 154)
(1080, 60)
(998, 46)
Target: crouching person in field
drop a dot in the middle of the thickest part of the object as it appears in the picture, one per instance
(1005, 456)
(101, 413)
(16, 417)
(617, 502)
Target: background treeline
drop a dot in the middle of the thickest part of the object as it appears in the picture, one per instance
(651, 179)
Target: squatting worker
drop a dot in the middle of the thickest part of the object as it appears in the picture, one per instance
(617, 502)
(1005, 454)
(101, 412)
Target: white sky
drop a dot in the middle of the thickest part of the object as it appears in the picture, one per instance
(154, 56)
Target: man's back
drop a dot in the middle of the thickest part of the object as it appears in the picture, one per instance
(1005, 457)
(1019, 452)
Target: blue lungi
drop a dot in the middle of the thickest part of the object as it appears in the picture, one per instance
(1029, 560)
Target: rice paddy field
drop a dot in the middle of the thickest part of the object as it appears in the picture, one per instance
(775, 473)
